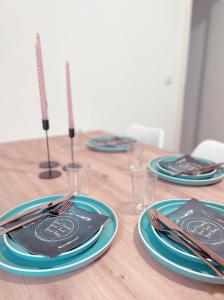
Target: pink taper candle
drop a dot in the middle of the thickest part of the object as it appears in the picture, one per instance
(69, 97)
(40, 72)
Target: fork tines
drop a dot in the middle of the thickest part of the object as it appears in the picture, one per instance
(63, 208)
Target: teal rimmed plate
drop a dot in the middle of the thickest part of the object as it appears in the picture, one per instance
(169, 243)
(94, 144)
(166, 159)
(153, 166)
(168, 258)
(11, 263)
(21, 252)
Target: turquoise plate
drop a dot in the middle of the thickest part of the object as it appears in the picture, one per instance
(93, 144)
(153, 166)
(175, 247)
(175, 157)
(167, 258)
(21, 252)
(11, 263)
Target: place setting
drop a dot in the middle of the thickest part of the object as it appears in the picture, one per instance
(187, 170)
(186, 236)
(57, 234)
(112, 143)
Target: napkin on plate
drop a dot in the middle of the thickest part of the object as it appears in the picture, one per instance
(53, 235)
(185, 162)
(203, 222)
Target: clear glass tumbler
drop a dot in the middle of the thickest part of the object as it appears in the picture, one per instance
(135, 156)
(144, 184)
(78, 179)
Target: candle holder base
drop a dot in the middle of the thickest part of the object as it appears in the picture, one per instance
(49, 174)
(45, 164)
(72, 165)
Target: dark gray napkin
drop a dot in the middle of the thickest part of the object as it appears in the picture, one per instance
(203, 222)
(54, 235)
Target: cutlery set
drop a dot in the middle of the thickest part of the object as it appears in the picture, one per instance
(199, 170)
(115, 141)
(65, 205)
(163, 224)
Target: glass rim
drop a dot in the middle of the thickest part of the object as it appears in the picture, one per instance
(77, 166)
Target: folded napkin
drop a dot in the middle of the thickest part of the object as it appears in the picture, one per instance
(185, 162)
(204, 223)
(54, 235)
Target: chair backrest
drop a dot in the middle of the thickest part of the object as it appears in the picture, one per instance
(211, 150)
(147, 135)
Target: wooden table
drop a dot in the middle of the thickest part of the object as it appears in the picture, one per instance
(126, 271)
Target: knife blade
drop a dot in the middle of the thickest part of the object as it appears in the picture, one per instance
(186, 244)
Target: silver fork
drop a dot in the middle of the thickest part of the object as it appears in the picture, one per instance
(54, 212)
(158, 226)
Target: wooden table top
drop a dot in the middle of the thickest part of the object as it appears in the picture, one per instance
(126, 270)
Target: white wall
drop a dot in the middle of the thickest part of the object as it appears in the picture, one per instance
(121, 54)
(212, 100)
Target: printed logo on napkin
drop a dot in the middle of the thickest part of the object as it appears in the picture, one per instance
(54, 235)
(185, 162)
(203, 222)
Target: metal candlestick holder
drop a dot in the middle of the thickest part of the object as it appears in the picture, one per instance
(45, 164)
(48, 174)
(72, 164)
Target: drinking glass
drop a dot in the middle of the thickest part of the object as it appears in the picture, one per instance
(78, 178)
(144, 184)
(135, 156)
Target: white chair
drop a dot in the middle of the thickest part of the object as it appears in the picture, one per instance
(147, 135)
(211, 150)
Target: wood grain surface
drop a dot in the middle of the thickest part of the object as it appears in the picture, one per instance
(126, 270)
